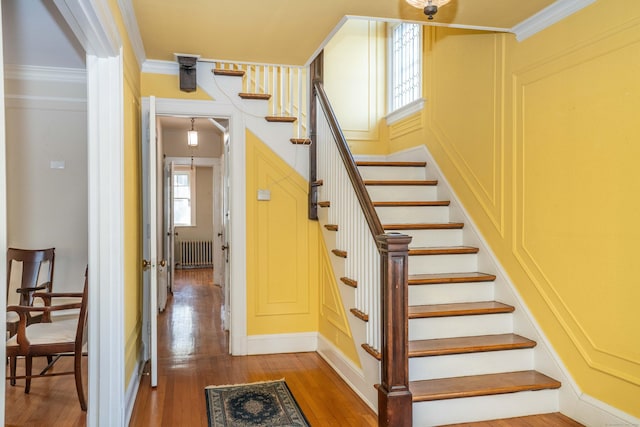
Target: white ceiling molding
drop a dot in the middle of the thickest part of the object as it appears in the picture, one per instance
(547, 17)
(49, 74)
(92, 23)
(160, 67)
(131, 24)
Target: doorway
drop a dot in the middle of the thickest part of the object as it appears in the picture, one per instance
(236, 311)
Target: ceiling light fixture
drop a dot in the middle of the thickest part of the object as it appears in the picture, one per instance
(192, 136)
(430, 7)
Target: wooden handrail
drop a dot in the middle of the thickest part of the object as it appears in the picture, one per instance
(349, 163)
(394, 397)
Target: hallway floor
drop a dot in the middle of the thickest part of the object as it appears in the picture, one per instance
(193, 353)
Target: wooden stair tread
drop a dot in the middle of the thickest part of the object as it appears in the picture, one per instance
(397, 164)
(401, 182)
(281, 119)
(331, 227)
(424, 226)
(473, 344)
(445, 250)
(458, 309)
(412, 203)
(259, 96)
(429, 279)
(480, 385)
(339, 253)
(225, 72)
(555, 419)
(349, 282)
(300, 141)
(359, 314)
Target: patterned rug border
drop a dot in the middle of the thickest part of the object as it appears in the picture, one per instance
(211, 416)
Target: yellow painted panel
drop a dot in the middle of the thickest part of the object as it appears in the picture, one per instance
(575, 184)
(132, 228)
(354, 81)
(334, 325)
(465, 115)
(282, 264)
(168, 86)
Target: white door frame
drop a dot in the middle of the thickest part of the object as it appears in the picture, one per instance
(237, 255)
(97, 32)
(3, 214)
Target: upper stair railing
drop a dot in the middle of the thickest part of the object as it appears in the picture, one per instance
(287, 86)
(377, 261)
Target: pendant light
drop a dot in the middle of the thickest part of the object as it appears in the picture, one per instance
(430, 7)
(192, 136)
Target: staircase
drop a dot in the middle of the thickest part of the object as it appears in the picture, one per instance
(465, 361)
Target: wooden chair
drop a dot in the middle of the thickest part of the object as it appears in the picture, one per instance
(28, 271)
(50, 338)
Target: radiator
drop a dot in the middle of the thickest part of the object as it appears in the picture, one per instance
(197, 253)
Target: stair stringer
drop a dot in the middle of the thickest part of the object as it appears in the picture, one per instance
(571, 401)
(361, 380)
(277, 136)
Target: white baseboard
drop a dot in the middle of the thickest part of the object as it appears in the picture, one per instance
(346, 369)
(282, 343)
(132, 389)
(595, 413)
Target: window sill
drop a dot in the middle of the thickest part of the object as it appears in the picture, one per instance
(406, 111)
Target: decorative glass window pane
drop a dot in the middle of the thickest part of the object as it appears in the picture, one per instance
(405, 68)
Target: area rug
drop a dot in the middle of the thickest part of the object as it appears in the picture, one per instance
(268, 403)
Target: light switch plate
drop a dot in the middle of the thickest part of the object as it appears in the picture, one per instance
(56, 164)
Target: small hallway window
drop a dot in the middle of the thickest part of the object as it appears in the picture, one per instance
(405, 66)
(184, 196)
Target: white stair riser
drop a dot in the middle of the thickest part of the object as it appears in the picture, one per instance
(229, 84)
(447, 293)
(402, 193)
(412, 214)
(450, 411)
(459, 365)
(391, 173)
(432, 264)
(423, 238)
(460, 326)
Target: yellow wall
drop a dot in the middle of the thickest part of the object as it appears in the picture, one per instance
(354, 79)
(132, 202)
(540, 141)
(282, 247)
(168, 86)
(334, 325)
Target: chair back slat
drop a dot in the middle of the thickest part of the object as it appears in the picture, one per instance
(28, 268)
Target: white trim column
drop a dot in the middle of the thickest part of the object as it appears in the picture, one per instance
(106, 241)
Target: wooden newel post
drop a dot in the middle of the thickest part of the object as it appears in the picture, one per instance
(394, 396)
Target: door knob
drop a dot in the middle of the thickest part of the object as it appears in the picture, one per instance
(225, 247)
(145, 264)
(163, 263)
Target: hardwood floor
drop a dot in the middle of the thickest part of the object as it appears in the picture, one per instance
(193, 353)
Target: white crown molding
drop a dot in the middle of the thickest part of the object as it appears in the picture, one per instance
(49, 74)
(547, 17)
(160, 67)
(46, 103)
(131, 24)
(92, 23)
